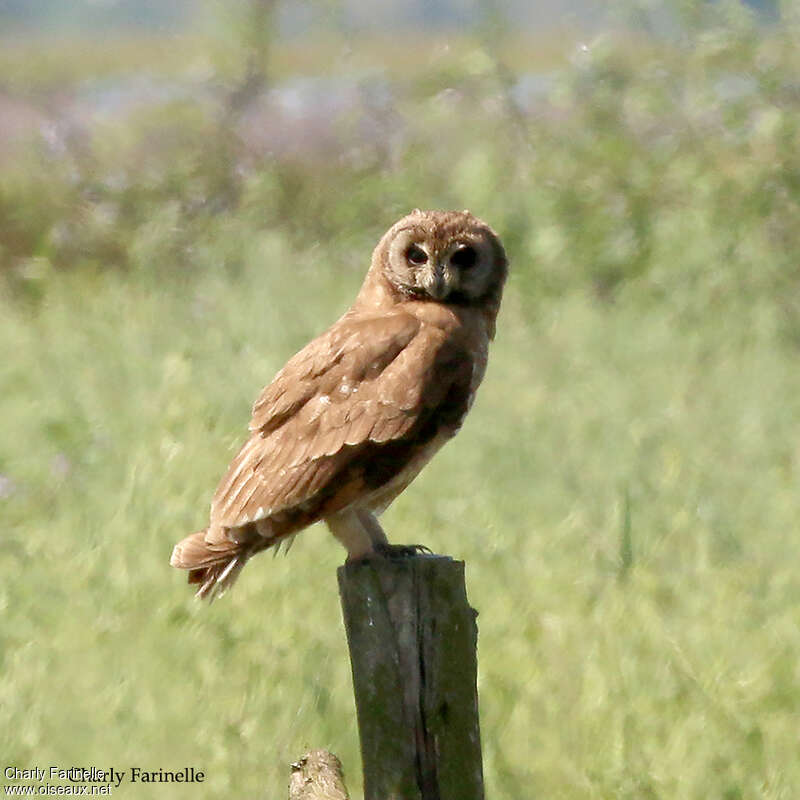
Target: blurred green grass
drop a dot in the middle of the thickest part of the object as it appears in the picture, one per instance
(625, 491)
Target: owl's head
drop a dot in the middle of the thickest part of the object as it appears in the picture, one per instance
(448, 257)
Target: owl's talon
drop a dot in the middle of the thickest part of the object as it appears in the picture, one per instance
(402, 550)
(391, 551)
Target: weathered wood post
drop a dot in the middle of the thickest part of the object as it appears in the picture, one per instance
(413, 637)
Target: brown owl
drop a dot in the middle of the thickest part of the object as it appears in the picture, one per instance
(351, 419)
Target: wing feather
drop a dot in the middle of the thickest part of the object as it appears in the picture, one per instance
(343, 399)
(372, 343)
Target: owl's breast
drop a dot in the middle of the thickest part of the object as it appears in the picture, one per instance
(379, 499)
(399, 463)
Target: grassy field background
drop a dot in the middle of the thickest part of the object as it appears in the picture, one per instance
(625, 491)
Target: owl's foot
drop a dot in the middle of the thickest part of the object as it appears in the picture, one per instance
(386, 550)
(392, 551)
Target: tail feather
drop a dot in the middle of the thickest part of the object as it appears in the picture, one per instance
(213, 565)
(218, 579)
(214, 558)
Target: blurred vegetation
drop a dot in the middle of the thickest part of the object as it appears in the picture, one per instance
(625, 492)
(55, 15)
(671, 165)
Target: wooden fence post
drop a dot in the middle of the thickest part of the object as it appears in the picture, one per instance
(412, 637)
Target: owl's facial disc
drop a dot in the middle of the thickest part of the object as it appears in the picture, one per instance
(444, 265)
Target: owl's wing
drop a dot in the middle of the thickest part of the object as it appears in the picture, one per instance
(343, 416)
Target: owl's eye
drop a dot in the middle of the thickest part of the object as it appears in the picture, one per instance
(464, 258)
(416, 255)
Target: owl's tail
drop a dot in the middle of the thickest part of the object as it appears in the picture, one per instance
(215, 565)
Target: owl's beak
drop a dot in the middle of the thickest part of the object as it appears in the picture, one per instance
(434, 283)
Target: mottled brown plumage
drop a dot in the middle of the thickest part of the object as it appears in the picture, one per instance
(351, 419)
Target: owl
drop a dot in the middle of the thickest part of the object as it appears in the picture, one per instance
(353, 417)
